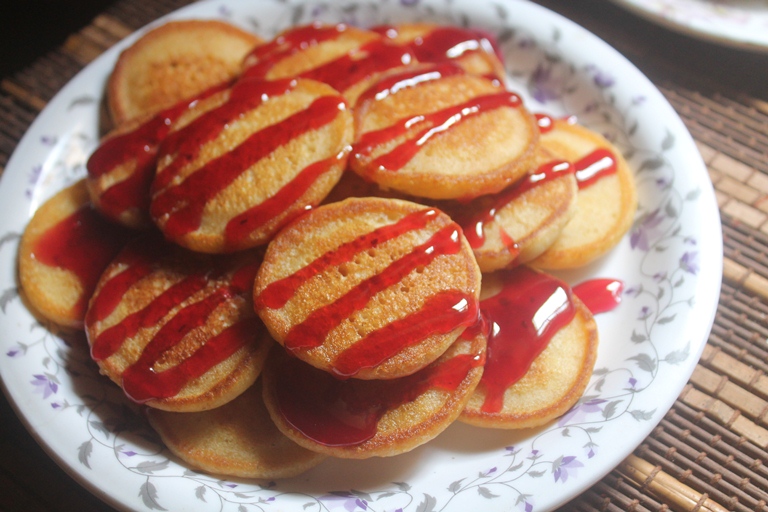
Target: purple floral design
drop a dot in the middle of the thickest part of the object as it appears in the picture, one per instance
(689, 262)
(582, 411)
(15, 351)
(565, 467)
(544, 86)
(45, 385)
(647, 229)
(601, 78)
(346, 500)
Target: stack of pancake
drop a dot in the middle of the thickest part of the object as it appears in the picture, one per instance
(331, 243)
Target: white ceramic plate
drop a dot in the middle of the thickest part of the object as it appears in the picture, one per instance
(671, 265)
(737, 23)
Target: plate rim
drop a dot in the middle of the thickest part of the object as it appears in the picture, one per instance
(111, 54)
(708, 34)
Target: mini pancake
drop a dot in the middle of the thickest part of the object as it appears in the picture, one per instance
(509, 228)
(175, 329)
(64, 249)
(358, 419)
(347, 58)
(473, 50)
(519, 223)
(606, 201)
(368, 288)
(172, 62)
(435, 131)
(536, 373)
(243, 162)
(237, 439)
(121, 169)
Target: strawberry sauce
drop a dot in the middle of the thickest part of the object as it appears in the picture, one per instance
(335, 412)
(140, 146)
(180, 206)
(83, 243)
(475, 226)
(172, 316)
(524, 316)
(426, 126)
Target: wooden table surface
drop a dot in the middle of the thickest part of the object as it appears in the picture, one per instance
(709, 451)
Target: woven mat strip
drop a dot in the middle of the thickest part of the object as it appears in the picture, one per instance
(731, 468)
(729, 335)
(744, 461)
(681, 472)
(717, 115)
(615, 493)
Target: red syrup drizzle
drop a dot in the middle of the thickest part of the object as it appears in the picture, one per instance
(140, 144)
(436, 122)
(349, 70)
(265, 56)
(599, 163)
(138, 264)
(278, 293)
(335, 412)
(440, 314)
(545, 122)
(590, 168)
(182, 205)
(524, 316)
(443, 44)
(409, 77)
(341, 73)
(141, 381)
(600, 295)
(315, 328)
(474, 227)
(83, 243)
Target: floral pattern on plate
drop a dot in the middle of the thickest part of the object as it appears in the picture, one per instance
(670, 262)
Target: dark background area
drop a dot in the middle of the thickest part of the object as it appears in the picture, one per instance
(29, 28)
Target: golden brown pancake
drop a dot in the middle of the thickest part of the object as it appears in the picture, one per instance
(510, 227)
(120, 172)
(240, 164)
(358, 419)
(172, 62)
(471, 49)
(64, 249)
(536, 373)
(517, 224)
(237, 439)
(369, 288)
(177, 329)
(347, 58)
(435, 131)
(606, 203)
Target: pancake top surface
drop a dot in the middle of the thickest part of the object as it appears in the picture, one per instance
(368, 287)
(347, 58)
(173, 62)
(64, 249)
(177, 329)
(241, 163)
(236, 439)
(472, 50)
(541, 350)
(435, 131)
(606, 202)
(366, 418)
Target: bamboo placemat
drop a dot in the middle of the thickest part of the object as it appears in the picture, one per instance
(709, 451)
